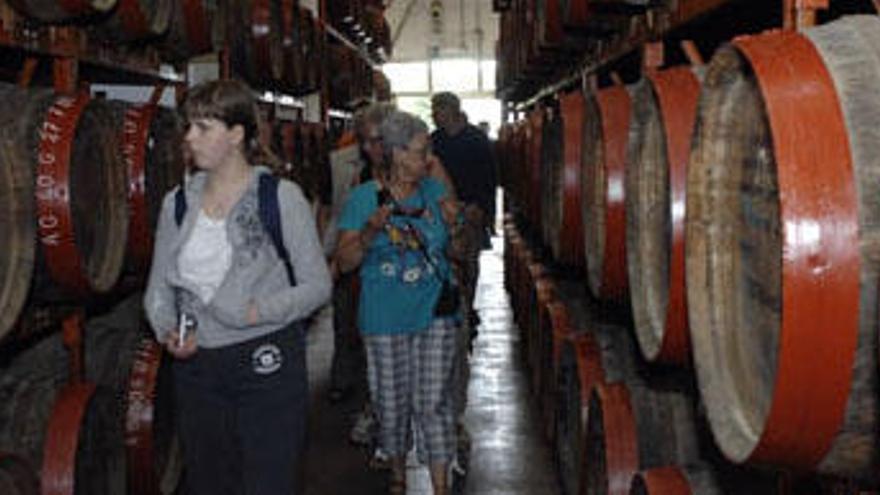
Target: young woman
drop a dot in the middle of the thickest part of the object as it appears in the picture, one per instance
(396, 228)
(239, 367)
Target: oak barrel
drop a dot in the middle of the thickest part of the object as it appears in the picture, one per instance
(255, 39)
(135, 21)
(781, 248)
(195, 28)
(71, 144)
(551, 179)
(634, 426)
(664, 110)
(17, 477)
(151, 146)
(62, 12)
(606, 135)
(571, 232)
(116, 432)
(19, 232)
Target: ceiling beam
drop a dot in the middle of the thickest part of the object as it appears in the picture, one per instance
(398, 30)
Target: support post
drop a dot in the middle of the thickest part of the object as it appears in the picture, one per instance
(801, 14)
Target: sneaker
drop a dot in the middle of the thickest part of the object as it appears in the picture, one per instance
(364, 429)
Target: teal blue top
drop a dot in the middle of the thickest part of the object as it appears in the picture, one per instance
(399, 287)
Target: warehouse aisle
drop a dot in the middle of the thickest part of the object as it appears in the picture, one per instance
(508, 456)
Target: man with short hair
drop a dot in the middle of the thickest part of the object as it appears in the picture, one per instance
(467, 155)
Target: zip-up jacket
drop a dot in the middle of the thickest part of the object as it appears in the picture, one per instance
(256, 272)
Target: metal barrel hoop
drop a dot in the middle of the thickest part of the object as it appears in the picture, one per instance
(139, 418)
(52, 193)
(62, 439)
(820, 256)
(677, 92)
(135, 133)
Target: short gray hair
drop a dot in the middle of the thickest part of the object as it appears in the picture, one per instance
(399, 128)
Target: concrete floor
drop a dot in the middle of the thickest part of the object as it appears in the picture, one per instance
(508, 455)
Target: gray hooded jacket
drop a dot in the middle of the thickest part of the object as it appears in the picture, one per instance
(256, 273)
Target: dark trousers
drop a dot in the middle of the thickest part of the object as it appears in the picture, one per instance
(348, 367)
(242, 417)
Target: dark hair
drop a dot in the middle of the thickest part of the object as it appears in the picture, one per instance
(233, 103)
(446, 99)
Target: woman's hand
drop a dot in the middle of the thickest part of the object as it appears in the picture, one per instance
(181, 350)
(375, 224)
(450, 209)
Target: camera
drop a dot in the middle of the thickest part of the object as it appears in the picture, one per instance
(384, 198)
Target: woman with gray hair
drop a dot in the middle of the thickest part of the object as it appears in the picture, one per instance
(397, 229)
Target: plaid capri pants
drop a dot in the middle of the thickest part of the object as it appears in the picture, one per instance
(410, 377)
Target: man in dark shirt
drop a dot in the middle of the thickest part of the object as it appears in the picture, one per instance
(466, 153)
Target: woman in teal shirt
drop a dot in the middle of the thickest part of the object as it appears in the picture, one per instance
(396, 228)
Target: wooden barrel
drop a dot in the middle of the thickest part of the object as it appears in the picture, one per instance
(341, 66)
(571, 232)
(130, 444)
(314, 44)
(595, 353)
(344, 12)
(533, 182)
(551, 179)
(192, 31)
(542, 292)
(293, 78)
(17, 477)
(304, 51)
(635, 426)
(79, 188)
(781, 250)
(54, 11)
(151, 144)
(135, 20)
(255, 40)
(664, 110)
(123, 440)
(19, 233)
(556, 329)
(606, 134)
(580, 367)
(576, 14)
(548, 23)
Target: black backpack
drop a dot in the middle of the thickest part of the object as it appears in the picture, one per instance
(270, 217)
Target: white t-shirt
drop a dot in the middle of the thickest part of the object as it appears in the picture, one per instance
(206, 256)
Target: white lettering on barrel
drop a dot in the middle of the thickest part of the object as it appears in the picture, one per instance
(48, 224)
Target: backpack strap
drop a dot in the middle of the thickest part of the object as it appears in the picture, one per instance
(179, 205)
(270, 217)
